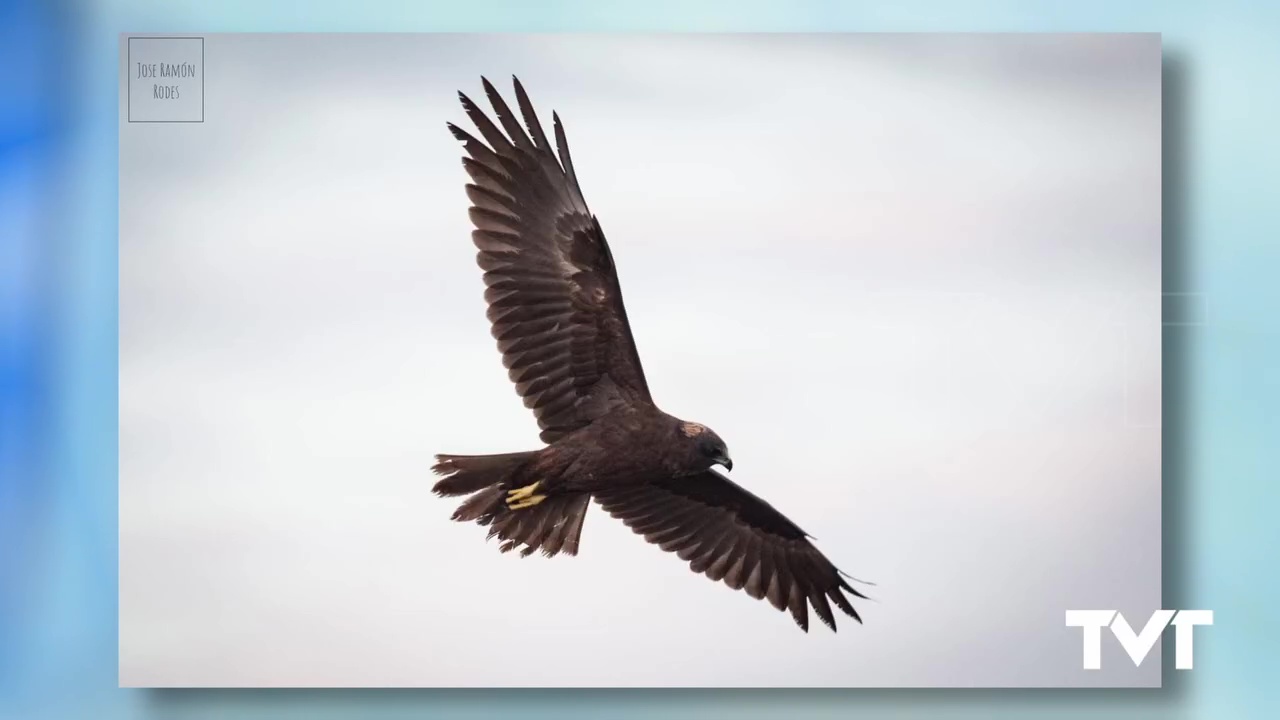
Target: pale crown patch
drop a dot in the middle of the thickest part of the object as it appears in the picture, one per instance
(692, 429)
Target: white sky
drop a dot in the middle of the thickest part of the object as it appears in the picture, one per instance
(913, 281)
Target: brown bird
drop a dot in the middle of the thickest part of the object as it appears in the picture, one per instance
(556, 310)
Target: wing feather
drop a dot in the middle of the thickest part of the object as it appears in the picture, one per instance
(730, 535)
(555, 304)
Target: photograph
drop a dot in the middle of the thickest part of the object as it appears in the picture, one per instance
(638, 360)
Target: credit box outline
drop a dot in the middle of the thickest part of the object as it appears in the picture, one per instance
(129, 76)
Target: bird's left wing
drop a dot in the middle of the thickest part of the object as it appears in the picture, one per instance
(726, 533)
(554, 301)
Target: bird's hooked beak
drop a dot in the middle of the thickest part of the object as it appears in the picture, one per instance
(726, 461)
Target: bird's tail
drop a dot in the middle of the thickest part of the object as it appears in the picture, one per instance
(553, 525)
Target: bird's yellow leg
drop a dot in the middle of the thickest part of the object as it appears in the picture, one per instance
(523, 497)
(527, 502)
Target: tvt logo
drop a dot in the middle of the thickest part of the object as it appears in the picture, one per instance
(1138, 645)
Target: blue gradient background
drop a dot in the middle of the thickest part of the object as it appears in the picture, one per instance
(58, 350)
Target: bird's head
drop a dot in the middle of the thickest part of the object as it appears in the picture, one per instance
(706, 446)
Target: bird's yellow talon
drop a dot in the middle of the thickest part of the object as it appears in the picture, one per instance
(523, 497)
(527, 502)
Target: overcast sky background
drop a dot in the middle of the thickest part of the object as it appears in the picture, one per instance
(913, 281)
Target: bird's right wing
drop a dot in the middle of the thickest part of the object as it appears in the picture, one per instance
(726, 533)
(554, 301)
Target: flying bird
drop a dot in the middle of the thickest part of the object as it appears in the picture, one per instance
(555, 308)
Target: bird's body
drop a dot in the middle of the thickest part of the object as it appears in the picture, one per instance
(628, 446)
(555, 306)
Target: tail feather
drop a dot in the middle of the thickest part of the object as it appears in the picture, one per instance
(466, 474)
(481, 504)
(553, 526)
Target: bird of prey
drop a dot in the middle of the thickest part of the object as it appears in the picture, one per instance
(555, 307)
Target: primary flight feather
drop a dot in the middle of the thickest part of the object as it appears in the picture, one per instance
(556, 310)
